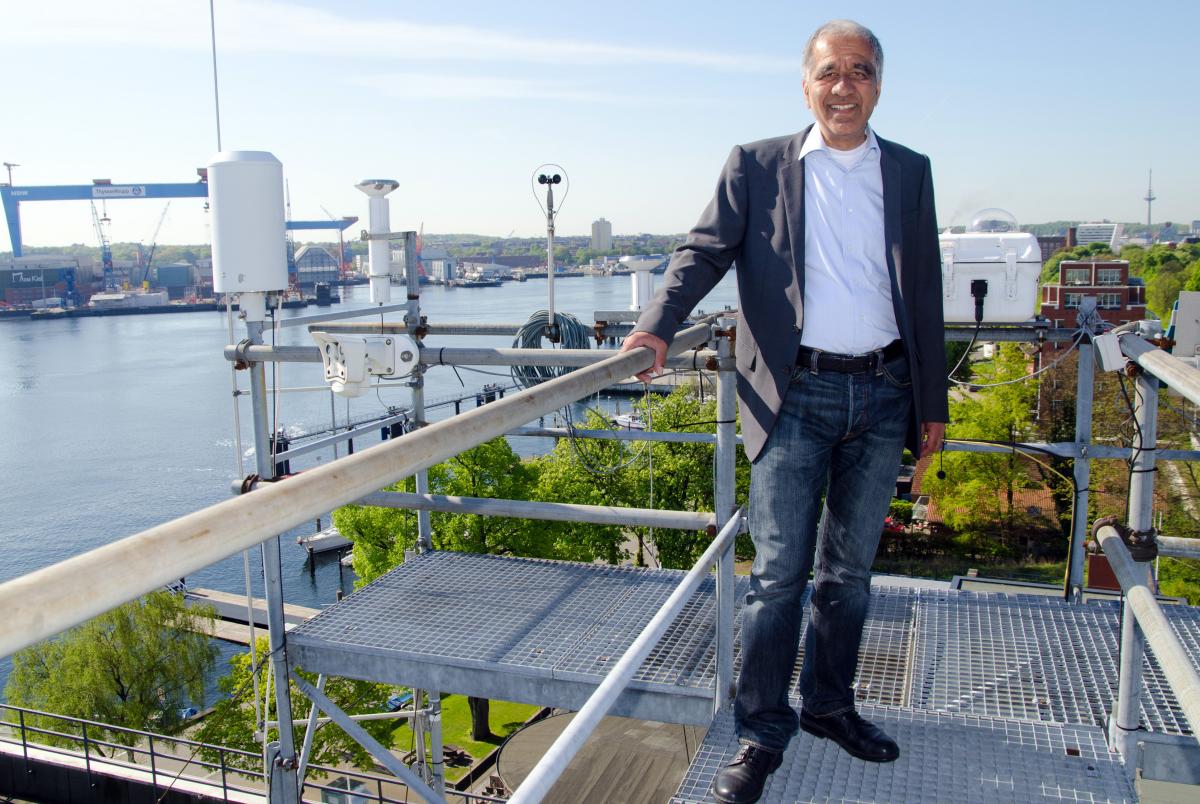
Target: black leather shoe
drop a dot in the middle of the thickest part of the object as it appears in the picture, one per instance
(742, 781)
(858, 737)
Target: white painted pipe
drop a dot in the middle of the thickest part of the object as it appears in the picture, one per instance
(45, 602)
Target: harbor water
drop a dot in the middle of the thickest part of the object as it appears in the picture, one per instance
(115, 424)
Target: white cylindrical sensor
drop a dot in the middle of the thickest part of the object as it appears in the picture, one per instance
(249, 246)
(380, 250)
(641, 285)
(379, 226)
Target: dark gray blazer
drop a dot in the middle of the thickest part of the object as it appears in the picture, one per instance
(756, 219)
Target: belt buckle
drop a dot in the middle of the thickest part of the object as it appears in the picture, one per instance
(814, 357)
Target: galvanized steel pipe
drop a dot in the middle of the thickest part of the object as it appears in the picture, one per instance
(1170, 369)
(1172, 658)
(558, 512)
(1176, 547)
(45, 602)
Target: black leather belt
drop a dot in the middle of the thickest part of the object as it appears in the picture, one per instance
(818, 360)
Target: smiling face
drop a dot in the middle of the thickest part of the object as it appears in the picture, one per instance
(842, 89)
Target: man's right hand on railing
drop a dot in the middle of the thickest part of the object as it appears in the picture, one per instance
(639, 339)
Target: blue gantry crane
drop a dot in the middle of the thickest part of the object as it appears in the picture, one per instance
(104, 190)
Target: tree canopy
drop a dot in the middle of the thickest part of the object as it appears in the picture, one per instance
(137, 666)
(231, 723)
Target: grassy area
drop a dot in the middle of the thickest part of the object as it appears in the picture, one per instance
(505, 718)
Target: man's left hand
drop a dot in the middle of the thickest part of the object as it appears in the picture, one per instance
(932, 436)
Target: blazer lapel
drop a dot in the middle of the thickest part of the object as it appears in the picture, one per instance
(893, 234)
(791, 186)
(890, 169)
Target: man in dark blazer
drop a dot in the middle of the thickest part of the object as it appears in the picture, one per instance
(841, 364)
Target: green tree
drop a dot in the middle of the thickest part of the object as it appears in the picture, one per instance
(231, 723)
(136, 666)
(493, 470)
(978, 492)
(1163, 286)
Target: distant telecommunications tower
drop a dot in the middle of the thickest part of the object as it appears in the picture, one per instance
(1149, 199)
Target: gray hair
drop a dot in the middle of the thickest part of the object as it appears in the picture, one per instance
(843, 28)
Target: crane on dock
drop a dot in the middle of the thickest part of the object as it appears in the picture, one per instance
(101, 220)
(153, 246)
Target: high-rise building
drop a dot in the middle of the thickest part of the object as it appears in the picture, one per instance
(1109, 233)
(601, 235)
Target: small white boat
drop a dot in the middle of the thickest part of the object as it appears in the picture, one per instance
(629, 421)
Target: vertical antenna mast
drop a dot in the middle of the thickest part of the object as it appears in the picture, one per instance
(1149, 199)
(212, 21)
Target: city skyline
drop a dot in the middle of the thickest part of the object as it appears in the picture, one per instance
(1038, 111)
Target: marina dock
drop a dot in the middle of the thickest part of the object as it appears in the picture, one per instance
(232, 624)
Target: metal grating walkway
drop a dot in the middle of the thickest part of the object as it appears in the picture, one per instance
(519, 629)
(950, 758)
(993, 697)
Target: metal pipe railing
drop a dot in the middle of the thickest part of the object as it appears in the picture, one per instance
(617, 435)
(1172, 658)
(1174, 372)
(532, 509)
(556, 759)
(473, 356)
(45, 602)
(1176, 547)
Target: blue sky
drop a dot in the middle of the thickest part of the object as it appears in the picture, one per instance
(1051, 109)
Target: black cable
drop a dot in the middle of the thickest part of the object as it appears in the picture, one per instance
(970, 346)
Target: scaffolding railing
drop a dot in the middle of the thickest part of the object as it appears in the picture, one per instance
(169, 762)
(1142, 618)
(50, 600)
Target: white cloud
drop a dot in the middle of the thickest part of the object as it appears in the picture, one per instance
(269, 25)
(431, 86)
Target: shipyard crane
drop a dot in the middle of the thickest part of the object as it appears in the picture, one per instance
(99, 221)
(343, 268)
(154, 244)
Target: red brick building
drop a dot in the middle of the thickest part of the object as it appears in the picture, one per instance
(1120, 298)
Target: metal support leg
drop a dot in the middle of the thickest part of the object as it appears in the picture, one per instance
(1083, 472)
(418, 728)
(1126, 719)
(309, 730)
(282, 772)
(436, 755)
(360, 735)
(412, 319)
(424, 527)
(724, 477)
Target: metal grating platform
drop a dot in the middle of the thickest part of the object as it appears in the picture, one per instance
(519, 629)
(546, 632)
(1033, 658)
(944, 757)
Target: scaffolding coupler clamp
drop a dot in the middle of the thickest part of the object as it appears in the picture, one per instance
(1142, 544)
(598, 332)
(241, 363)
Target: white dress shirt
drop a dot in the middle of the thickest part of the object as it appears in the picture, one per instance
(847, 291)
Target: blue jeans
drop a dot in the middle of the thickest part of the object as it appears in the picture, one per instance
(841, 436)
